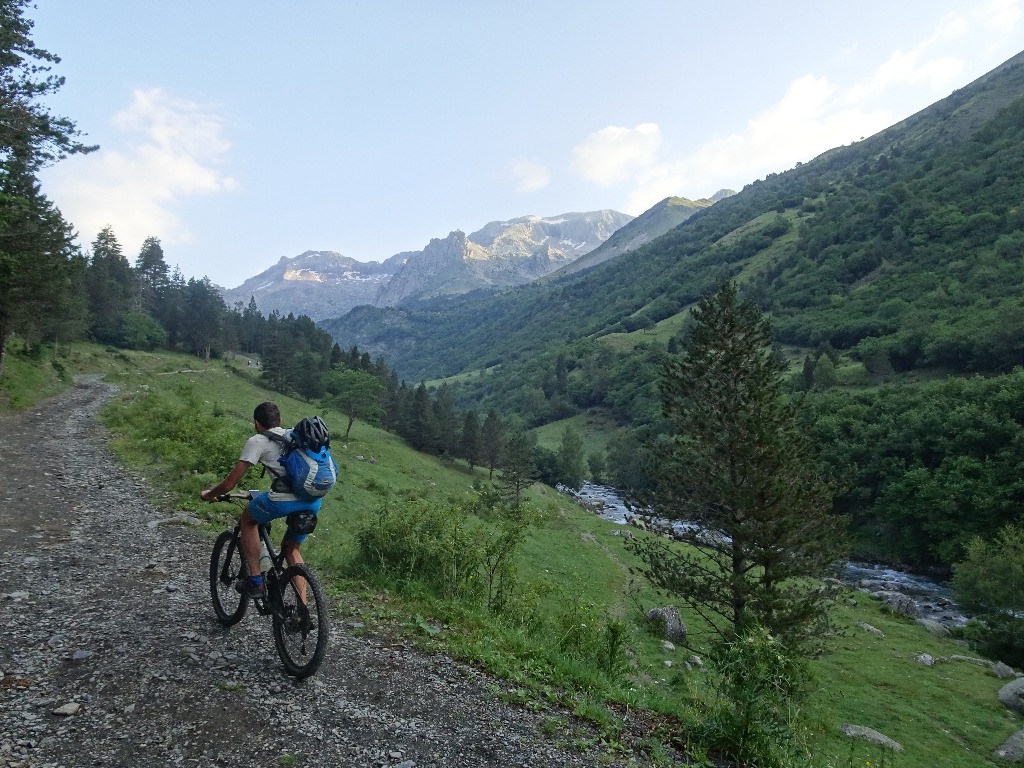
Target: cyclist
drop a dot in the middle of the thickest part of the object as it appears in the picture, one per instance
(278, 502)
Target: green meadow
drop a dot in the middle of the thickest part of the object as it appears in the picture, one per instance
(575, 633)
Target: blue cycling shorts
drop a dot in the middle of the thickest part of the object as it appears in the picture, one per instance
(263, 510)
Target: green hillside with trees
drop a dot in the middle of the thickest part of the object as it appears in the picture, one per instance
(886, 267)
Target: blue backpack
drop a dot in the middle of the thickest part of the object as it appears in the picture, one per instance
(308, 466)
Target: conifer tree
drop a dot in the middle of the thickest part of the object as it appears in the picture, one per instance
(446, 424)
(470, 439)
(203, 315)
(739, 467)
(493, 442)
(40, 280)
(420, 425)
(518, 468)
(37, 272)
(113, 288)
(153, 274)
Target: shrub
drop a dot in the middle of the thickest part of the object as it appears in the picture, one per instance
(989, 584)
(753, 716)
(436, 544)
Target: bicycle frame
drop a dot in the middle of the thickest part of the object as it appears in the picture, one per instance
(293, 598)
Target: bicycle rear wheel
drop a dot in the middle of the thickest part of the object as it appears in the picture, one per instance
(301, 627)
(227, 566)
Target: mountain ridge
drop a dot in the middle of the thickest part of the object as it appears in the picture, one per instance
(652, 223)
(502, 254)
(777, 235)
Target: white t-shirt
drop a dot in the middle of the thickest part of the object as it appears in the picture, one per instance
(260, 449)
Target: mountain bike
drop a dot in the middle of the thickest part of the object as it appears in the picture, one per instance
(294, 598)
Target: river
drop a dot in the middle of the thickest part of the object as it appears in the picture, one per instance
(933, 598)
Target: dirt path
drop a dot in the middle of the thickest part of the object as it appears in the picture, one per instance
(109, 654)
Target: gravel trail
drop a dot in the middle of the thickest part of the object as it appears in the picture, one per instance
(110, 655)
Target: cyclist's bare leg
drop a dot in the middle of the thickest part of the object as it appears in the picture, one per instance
(293, 555)
(250, 536)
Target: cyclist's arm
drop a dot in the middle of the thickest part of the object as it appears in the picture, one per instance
(228, 483)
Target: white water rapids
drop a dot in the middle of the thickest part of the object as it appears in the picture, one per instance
(933, 598)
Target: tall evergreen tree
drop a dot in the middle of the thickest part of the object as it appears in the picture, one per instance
(113, 289)
(36, 248)
(493, 442)
(420, 425)
(446, 423)
(470, 441)
(251, 326)
(204, 312)
(518, 468)
(40, 283)
(153, 274)
(30, 135)
(739, 466)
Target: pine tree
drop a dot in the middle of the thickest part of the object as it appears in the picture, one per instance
(30, 136)
(420, 430)
(493, 442)
(39, 281)
(153, 274)
(739, 467)
(203, 315)
(446, 423)
(518, 468)
(113, 288)
(470, 439)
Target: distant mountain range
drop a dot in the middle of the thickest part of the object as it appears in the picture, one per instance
(319, 284)
(502, 254)
(902, 250)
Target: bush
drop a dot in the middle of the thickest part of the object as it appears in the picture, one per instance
(988, 584)
(435, 544)
(753, 718)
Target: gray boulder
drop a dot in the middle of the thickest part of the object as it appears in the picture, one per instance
(1002, 671)
(1013, 748)
(900, 604)
(871, 629)
(1012, 695)
(670, 622)
(869, 734)
(937, 629)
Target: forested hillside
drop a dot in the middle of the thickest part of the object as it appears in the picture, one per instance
(899, 256)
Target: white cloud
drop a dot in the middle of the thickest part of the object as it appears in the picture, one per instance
(528, 175)
(165, 149)
(613, 154)
(914, 67)
(1002, 15)
(801, 125)
(813, 115)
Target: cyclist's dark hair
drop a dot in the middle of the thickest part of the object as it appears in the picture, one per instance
(267, 414)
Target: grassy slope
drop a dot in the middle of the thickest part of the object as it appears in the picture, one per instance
(943, 715)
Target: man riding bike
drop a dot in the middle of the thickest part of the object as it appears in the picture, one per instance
(278, 502)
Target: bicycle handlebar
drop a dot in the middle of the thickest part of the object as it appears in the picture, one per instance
(247, 496)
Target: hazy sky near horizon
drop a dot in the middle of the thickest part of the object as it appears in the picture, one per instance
(241, 131)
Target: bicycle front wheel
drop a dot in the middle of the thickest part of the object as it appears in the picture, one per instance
(301, 628)
(227, 566)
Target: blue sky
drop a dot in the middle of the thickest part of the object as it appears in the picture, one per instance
(241, 131)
